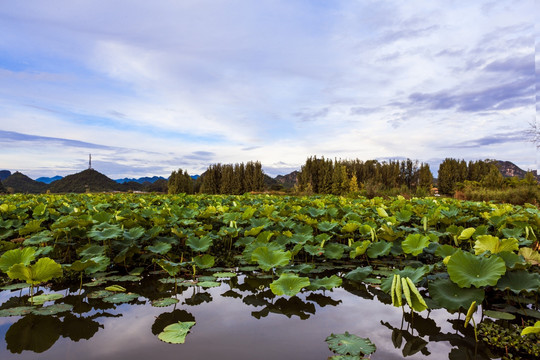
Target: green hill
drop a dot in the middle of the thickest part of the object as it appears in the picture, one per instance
(87, 180)
(20, 183)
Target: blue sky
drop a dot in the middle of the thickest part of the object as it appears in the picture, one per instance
(149, 87)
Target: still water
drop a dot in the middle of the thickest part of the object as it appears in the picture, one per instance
(240, 319)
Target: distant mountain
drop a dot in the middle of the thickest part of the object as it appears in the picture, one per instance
(20, 183)
(509, 169)
(141, 180)
(48, 180)
(4, 174)
(87, 180)
(288, 181)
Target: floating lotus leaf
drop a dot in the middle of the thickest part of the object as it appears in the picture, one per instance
(53, 309)
(16, 286)
(120, 298)
(199, 244)
(16, 311)
(268, 259)
(16, 256)
(325, 282)
(520, 280)
(531, 329)
(414, 244)
(43, 270)
(350, 344)
(334, 251)
(499, 315)
(40, 299)
(206, 278)
(176, 333)
(453, 298)
(115, 288)
(159, 248)
(204, 261)
(531, 256)
(346, 357)
(224, 274)
(326, 226)
(466, 269)
(100, 294)
(123, 278)
(94, 283)
(289, 284)
(208, 284)
(164, 302)
(105, 231)
(359, 274)
(494, 245)
(170, 267)
(379, 248)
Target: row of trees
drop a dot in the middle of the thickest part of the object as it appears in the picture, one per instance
(326, 176)
(180, 182)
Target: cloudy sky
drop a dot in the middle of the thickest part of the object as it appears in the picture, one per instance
(148, 87)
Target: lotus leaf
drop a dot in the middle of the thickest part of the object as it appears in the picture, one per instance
(224, 274)
(38, 239)
(16, 311)
(346, 357)
(91, 250)
(101, 264)
(164, 302)
(43, 270)
(379, 248)
(289, 284)
(512, 233)
(494, 245)
(170, 267)
(470, 312)
(382, 213)
(359, 248)
(445, 250)
(531, 256)
(40, 299)
(208, 284)
(16, 256)
(115, 288)
(81, 265)
(176, 333)
(414, 244)
(408, 272)
(204, 261)
(520, 280)
(403, 215)
(350, 344)
(199, 244)
(334, 251)
(499, 315)
(325, 282)
(120, 298)
(268, 259)
(326, 226)
(134, 233)
(16, 286)
(466, 269)
(453, 298)
(33, 226)
(531, 329)
(396, 291)
(105, 231)
(413, 296)
(129, 278)
(53, 309)
(350, 227)
(359, 274)
(100, 294)
(253, 231)
(314, 250)
(466, 234)
(511, 259)
(159, 248)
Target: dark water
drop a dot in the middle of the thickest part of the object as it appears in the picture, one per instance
(241, 319)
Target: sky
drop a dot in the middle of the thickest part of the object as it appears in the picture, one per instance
(150, 87)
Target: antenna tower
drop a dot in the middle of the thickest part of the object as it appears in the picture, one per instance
(89, 161)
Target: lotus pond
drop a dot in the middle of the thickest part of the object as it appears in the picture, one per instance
(137, 276)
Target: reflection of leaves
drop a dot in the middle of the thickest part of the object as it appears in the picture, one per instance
(413, 343)
(424, 326)
(289, 307)
(232, 294)
(198, 299)
(77, 328)
(323, 300)
(255, 300)
(170, 318)
(33, 332)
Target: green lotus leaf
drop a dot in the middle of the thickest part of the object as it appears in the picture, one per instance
(359, 248)
(17, 311)
(105, 231)
(268, 259)
(466, 234)
(43, 270)
(350, 227)
(512, 233)
(164, 302)
(38, 239)
(39, 210)
(531, 329)
(159, 248)
(325, 282)
(224, 275)
(511, 259)
(531, 256)
(346, 357)
(415, 274)
(121, 298)
(208, 284)
(453, 298)
(101, 264)
(466, 269)
(199, 244)
(176, 333)
(445, 250)
(314, 250)
(520, 280)
(134, 234)
(326, 226)
(204, 261)
(16, 286)
(91, 250)
(350, 344)
(288, 284)
(41, 299)
(129, 278)
(494, 245)
(334, 251)
(359, 274)
(403, 215)
(414, 244)
(413, 296)
(16, 256)
(53, 309)
(379, 248)
(253, 231)
(99, 294)
(81, 265)
(170, 267)
(33, 226)
(115, 288)
(499, 315)
(94, 283)
(382, 213)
